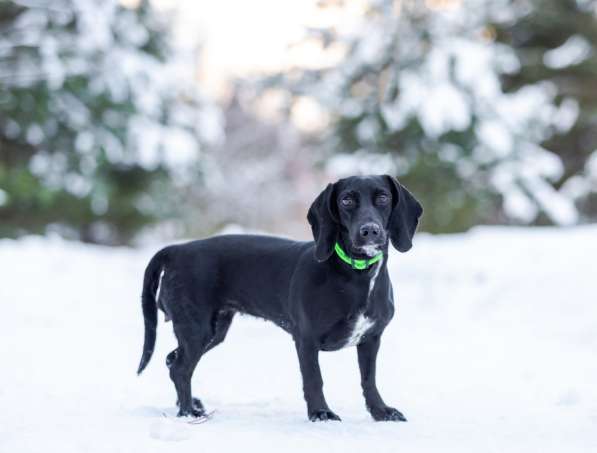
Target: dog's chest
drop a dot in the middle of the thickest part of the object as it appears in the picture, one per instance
(359, 329)
(358, 322)
(348, 331)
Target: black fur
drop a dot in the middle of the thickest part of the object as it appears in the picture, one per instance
(303, 287)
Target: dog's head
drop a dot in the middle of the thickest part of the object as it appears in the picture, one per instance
(362, 213)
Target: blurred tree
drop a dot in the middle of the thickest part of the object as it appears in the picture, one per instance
(418, 93)
(555, 42)
(258, 176)
(94, 116)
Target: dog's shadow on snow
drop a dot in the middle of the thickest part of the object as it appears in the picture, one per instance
(152, 411)
(255, 416)
(257, 412)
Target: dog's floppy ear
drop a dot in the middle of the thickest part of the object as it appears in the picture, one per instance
(323, 223)
(405, 216)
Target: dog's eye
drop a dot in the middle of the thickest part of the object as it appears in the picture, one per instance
(382, 199)
(347, 202)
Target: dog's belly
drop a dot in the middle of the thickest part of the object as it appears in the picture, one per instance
(347, 333)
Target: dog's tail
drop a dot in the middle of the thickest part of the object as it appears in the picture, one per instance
(151, 283)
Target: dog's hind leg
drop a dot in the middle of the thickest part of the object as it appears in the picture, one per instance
(192, 345)
(170, 358)
(192, 341)
(220, 323)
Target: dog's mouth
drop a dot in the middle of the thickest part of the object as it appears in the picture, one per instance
(369, 250)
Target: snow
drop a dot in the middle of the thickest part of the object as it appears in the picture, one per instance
(3, 197)
(492, 349)
(532, 170)
(574, 51)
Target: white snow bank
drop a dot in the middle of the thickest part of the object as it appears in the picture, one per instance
(493, 349)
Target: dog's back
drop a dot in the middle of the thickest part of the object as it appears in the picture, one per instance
(214, 265)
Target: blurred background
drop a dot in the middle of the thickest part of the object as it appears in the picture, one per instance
(122, 120)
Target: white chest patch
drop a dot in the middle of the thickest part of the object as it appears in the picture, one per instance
(361, 326)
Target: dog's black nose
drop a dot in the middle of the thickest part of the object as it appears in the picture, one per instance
(369, 230)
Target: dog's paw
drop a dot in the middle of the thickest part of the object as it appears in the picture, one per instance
(195, 413)
(323, 416)
(387, 414)
(197, 404)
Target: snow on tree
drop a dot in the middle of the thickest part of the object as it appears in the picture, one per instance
(555, 43)
(419, 94)
(96, 110)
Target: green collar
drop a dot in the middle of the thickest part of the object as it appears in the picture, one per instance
(354, 263)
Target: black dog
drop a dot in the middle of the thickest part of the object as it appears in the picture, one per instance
(328, 294)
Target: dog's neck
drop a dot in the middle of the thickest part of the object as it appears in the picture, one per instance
(375, 268)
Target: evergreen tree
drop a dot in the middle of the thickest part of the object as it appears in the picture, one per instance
(418, 93)
(94, 117)
(554, 42)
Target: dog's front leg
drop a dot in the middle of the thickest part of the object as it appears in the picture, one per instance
(317, 408)
(367, 352)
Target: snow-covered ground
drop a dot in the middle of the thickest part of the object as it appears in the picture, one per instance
(494, 349)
